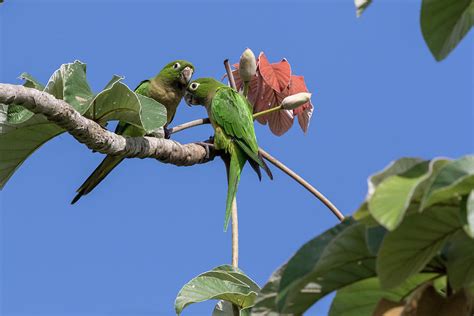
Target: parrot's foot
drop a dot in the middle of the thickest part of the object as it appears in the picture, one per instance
(167, 132)
(207, 146)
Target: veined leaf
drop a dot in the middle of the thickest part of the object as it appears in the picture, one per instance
(467, 214)
(460, 261)
(393, 195)
(406, 250)
(265, 303)
(455, 179)
(362, 297)
(344, 260)
(22, 132)
(444, 23)
(221, 283)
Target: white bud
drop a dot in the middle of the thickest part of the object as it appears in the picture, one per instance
(296, 100)
(247, 65)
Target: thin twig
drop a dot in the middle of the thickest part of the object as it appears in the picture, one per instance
(303, 182)
(235, 235)
(229, 74)
(235, 221)
(187, 125)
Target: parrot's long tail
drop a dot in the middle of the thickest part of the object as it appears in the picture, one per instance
(234, 165)
(107, 165)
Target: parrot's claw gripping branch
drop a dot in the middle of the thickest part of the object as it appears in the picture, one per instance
(91, 134)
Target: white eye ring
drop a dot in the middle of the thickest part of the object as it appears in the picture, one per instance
(193, 86)
(176, 66)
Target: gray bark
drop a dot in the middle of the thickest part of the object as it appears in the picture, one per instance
(99, 139)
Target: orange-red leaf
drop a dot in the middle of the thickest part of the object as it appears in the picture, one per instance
(276, 75)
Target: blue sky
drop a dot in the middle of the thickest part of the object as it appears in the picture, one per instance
(127, 248)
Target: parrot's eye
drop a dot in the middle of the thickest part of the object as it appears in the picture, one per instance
(176, 66)
(194, 86)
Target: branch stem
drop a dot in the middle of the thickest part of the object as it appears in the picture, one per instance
(303, 182)
(187, 125)
(235, 222)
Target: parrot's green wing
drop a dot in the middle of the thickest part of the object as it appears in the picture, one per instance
(231, 112)
(143, 87)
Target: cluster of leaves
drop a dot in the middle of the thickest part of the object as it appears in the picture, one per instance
(268, 87)
(22, 132)
(444, 23)
(408, 248)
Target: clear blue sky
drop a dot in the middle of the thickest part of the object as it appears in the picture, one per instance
(127, 248)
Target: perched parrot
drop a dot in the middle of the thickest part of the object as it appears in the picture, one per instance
(231, 117)
(168, 88)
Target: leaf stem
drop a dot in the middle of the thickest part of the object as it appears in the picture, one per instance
(274, 109)
(303, 182)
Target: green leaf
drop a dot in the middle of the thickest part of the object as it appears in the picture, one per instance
(455, 179)
(22, 131)
(374, 237)
(460, 261)
(31, 82)
(444, 23)
(406, 250)
(224, 308)
(306, 258)
(220, 283)
(399, 166)
(361, 5)
(392, 197)
(467, 214)
(362, 297)
(344, 260)
(118, 102)
(19, 141)
(265, 303)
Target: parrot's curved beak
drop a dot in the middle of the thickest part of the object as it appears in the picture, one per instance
(189, 99)
(186, 75)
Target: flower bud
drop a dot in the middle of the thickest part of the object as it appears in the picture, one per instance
(247, 65)
(296, 100)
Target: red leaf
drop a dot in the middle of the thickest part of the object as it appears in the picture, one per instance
(276, 75)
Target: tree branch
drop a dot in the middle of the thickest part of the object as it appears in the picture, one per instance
(99, 139)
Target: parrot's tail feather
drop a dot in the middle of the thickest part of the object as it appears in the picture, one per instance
(237, 162)
(257, 157)
(99, 174)
(265, 167)
(255, 166)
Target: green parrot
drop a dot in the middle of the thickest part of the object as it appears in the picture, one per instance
(231, 117)
(168, 88)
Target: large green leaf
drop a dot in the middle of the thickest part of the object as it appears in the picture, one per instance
(444, 23)
(306, 258)
(399, 166)
(455, 179)
(406, 250)
(118, 102)
(362, 297)
(460, 261)
(223, 283)
(265, 303)
(22, 132)
(345, 260)
(467, 214)
(392, 197)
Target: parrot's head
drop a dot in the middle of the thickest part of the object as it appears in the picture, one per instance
(201, 91)
(178, 73)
